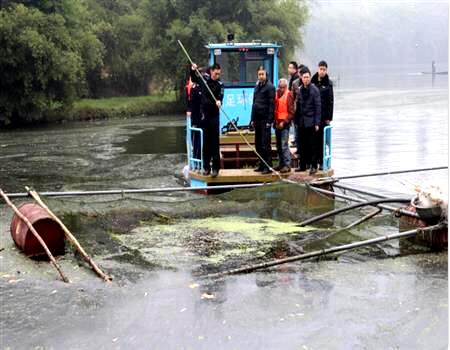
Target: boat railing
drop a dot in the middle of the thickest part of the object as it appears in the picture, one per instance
(327, 154)
(191, 133)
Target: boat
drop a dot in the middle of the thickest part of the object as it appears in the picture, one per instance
(239, 63)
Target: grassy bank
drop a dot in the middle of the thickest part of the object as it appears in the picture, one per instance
(121, 107)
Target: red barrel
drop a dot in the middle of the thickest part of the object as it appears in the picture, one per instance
(49, 230)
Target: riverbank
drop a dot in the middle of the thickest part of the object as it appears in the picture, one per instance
(107, 109)
(126, 107)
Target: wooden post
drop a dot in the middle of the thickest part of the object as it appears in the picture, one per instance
(36, 234)
(69, 236)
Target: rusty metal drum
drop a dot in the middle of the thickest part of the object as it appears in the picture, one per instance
(49, 230)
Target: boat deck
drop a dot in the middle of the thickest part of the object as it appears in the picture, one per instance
(239, 176)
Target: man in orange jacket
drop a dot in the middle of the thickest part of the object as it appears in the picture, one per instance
(283, 117)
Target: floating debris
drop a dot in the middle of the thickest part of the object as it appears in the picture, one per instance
(208, 296)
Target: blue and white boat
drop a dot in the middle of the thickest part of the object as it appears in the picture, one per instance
(239, 63)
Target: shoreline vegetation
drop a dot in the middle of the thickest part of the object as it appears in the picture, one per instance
(90, 109)
(125, 107)
(56, 52)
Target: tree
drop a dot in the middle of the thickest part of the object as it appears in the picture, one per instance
(196, 23)
(47, 49)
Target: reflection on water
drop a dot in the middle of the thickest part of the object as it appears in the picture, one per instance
(158, 140)
(388, 77)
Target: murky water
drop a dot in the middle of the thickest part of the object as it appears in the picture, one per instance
(171, 138)
(391, 296)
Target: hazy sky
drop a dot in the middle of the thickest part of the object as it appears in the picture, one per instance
(372, 32)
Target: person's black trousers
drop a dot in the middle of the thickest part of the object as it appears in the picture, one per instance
(263, 142)
(307, 146)
(211, 142)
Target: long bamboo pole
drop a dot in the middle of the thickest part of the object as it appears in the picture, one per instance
(36, 234)
(70, 236)
(316, 253)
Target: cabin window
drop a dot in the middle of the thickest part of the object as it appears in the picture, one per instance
(239, 66)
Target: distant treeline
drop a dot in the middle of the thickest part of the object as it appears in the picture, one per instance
(54, 52)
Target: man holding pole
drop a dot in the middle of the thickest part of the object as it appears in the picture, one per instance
(211, 101)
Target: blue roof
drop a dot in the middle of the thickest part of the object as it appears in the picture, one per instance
(232, 45)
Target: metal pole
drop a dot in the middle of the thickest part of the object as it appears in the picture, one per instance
(353, 206)
(353, 199)
(378, 195)
(391, 172)
(325, 251)
(365, 218)
(140, 191)
(357, 190)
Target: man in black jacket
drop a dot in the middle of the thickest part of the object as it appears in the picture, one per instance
(262, 119)
(210, 111)
(293, 73)
(325, 86)
(307, 119)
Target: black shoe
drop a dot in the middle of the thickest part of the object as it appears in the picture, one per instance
(285, 169)
(278, 167)
(206, 172)
(299, 170)
(266, 171)
(259, 169)
(215, 173)
(312, 171)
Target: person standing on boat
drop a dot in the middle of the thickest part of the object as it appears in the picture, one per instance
(293, 73)
(325, 86)
(283, 117)
(210, 111)
(295, 84)
(262, 119)
(307, 120)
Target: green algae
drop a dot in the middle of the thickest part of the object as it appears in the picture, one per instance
(253, 228)
(209, 241)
